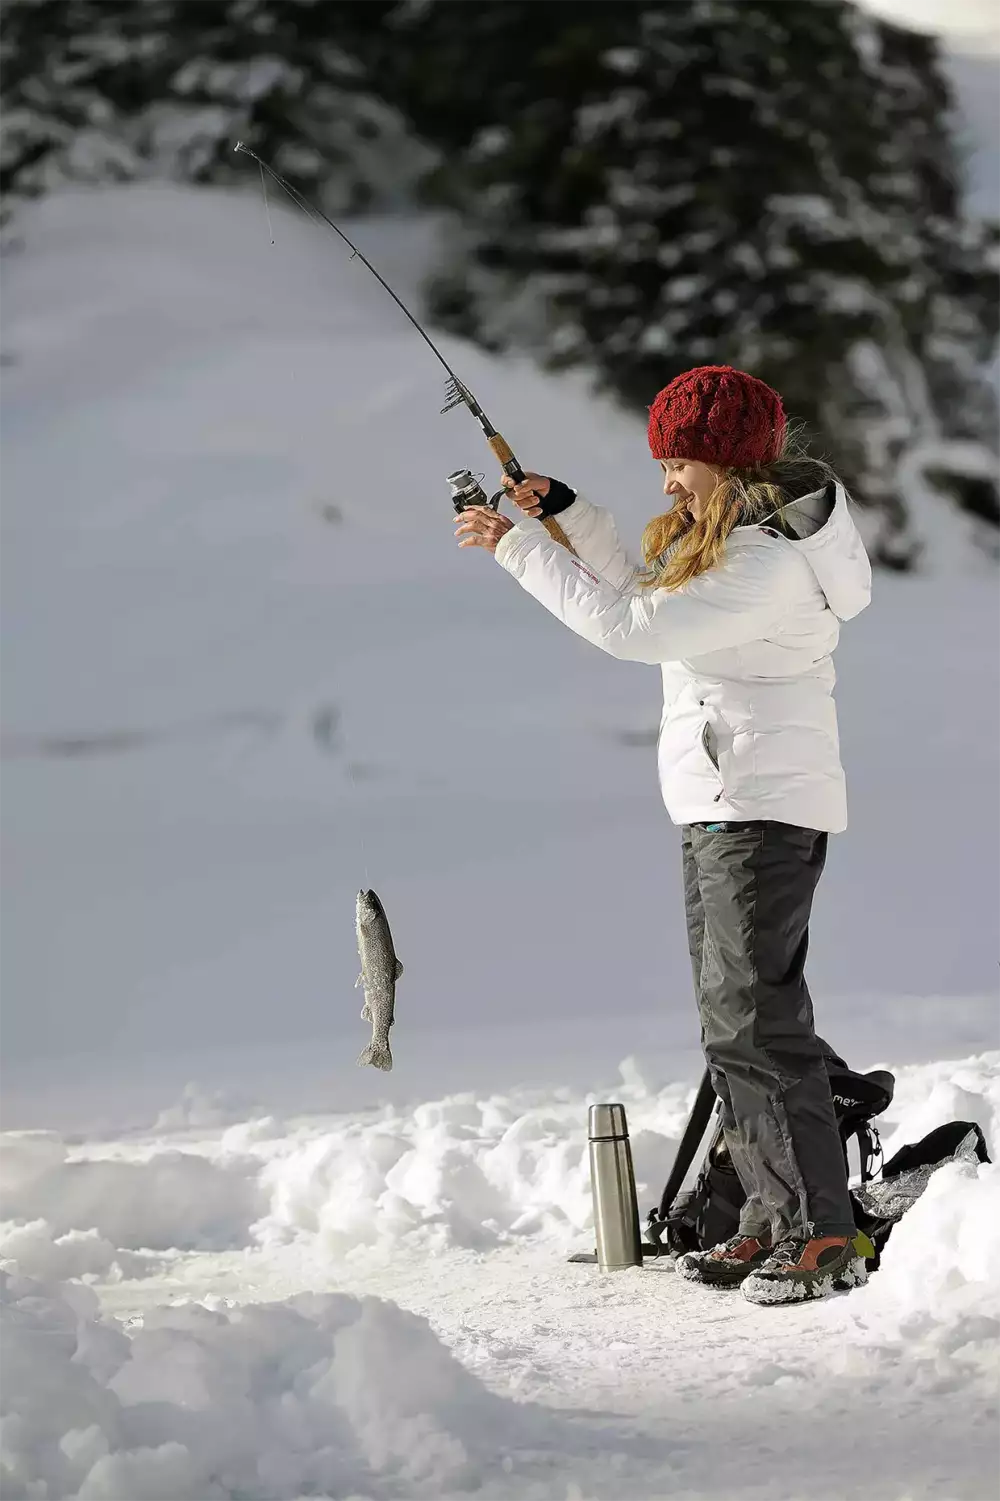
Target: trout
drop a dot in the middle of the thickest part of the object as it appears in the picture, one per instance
(380, 969)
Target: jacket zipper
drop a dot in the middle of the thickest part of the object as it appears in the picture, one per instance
(706, 731)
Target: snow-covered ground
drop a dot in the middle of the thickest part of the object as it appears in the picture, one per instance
(381, 1307)
(244, 672)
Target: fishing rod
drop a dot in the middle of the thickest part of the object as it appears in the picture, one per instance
(465, 488)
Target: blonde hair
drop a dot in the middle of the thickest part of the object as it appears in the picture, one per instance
(676, 549)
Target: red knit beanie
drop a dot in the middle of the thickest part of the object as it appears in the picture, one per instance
(719, 415)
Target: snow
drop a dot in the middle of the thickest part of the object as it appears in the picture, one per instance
(401, 1320)
(938, 1289)
(972, 19)
(325, 1395)
(942, 1256)
(245, 672)
(458, 1172)
(255, 674)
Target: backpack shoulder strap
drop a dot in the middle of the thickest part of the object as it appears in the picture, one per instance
(869, 1149)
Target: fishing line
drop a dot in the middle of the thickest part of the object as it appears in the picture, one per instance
(315, 214)
(364, 848)
(456, 393)
(267, 209)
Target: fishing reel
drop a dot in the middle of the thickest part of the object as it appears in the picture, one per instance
(467, 491)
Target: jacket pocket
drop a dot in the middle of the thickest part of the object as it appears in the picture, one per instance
(710, 746)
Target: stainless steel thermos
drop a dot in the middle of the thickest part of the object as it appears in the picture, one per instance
(612, 1181)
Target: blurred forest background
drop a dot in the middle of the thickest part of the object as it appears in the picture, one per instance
(630, 187)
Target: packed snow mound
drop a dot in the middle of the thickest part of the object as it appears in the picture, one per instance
(936, 1295)
(935, 1300)
(319, 1395)
(166, 1199)
(84, 1254)
(197, 1106)
(457, 1172)
(946, 1249)
(928, 1094)
(460, 1172)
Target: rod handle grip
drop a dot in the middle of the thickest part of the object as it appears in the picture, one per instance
(505, 455)
(510, 466)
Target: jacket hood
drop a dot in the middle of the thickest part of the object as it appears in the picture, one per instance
(821, 528)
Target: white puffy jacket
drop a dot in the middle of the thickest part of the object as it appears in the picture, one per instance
(749, 727)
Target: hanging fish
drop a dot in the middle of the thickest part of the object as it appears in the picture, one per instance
(380, 969)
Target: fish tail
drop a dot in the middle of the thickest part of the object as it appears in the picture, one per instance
(377, 1054)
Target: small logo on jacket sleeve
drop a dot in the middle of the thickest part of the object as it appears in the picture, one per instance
(582, 568)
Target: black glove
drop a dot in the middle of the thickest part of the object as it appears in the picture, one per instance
(559, 498)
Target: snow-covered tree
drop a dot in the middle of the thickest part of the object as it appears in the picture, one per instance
(60, 121)
(637, 187)
(103, 89)
(284, 76)
(743, 181)
(946, 307)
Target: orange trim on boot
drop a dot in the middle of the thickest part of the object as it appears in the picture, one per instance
(814, 1253)
(746, 1250)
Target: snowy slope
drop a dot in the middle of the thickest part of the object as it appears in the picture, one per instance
(244, 670)
(224, 710)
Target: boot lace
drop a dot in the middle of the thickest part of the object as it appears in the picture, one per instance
(786, 1252)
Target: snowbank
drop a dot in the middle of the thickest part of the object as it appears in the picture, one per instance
(456, 1172)
(934, 1305)
(168, 1199)
(460, 1171)
(928, 1094)
(944, 1254)
(319, 1395)
(234, 1389)
(197, 1106)
(82, 1254)
(936, 1297)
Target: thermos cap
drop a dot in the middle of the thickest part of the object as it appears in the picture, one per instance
(607, 1120)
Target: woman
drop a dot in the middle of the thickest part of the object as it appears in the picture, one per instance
(747, 579)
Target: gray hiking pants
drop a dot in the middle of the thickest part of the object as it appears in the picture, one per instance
(748, 894)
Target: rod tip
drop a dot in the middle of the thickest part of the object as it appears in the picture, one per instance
(239, 146)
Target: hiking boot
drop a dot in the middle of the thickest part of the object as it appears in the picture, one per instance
(800, 1269)
(725, 1265)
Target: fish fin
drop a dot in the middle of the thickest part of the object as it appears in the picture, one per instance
(359, 979)
(377, 1054)
(366, 1012)
(399, 969)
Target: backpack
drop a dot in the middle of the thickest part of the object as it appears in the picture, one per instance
(880, 1205)
(702, 1216)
